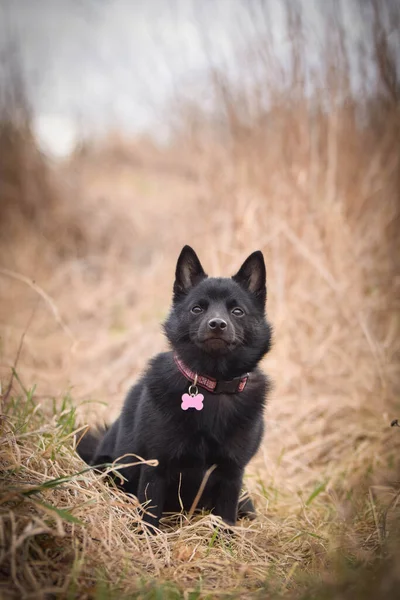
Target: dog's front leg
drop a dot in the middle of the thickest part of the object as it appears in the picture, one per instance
(151, 490)
(227, 495)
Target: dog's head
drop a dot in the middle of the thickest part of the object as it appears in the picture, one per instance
(218, 325)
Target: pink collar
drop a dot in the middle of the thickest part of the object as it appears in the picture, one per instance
(232, 386)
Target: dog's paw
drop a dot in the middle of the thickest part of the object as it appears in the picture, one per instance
(149, 524)
(148, 528)
(247, 515)
(246, 509)
(225, 527)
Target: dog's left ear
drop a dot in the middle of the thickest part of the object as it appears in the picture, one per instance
(252, 276)
(188, 272)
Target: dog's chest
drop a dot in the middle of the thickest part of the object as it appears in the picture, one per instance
(199, 449)
(206, 433)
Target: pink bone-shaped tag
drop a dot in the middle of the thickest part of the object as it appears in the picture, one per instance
(195, 401)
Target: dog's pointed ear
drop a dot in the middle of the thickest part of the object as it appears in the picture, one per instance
(252, 276)
(188, 272)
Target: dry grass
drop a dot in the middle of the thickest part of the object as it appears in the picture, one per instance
(320, 196)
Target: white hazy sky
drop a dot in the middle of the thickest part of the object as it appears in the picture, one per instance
(91, 64)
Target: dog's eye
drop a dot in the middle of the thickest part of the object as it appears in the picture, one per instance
(196, 310)
(238, 312)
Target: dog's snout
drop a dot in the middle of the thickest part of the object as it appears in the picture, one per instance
(217, 323)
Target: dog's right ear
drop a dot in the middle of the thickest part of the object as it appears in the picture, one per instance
(188, 272)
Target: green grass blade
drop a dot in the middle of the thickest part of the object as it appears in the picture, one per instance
(320, 488)
(61, 512)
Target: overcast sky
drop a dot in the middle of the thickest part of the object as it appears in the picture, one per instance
(116, 62)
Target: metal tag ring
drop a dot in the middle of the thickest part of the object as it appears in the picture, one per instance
(193, 390)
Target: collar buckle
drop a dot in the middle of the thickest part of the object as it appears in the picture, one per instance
(237, 384)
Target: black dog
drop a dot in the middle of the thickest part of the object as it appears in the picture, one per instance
(200, 404)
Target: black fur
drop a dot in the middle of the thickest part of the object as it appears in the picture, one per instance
(88, 441)
(228, 431)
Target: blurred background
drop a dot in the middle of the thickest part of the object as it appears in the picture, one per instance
(128, 129)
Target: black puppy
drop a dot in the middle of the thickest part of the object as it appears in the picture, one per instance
(200, 404)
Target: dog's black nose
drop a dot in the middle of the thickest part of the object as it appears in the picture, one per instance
(216, 324)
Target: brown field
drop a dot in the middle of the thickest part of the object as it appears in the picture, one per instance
(87, 257)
